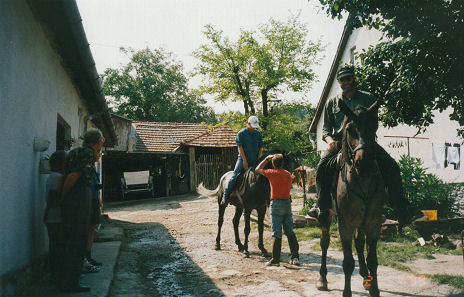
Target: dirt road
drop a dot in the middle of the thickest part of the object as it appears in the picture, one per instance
(168, 251)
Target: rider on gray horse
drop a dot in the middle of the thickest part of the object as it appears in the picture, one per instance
(332, 133)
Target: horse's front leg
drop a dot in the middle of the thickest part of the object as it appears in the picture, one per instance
(324, 242)
(261, 214)
(359, 241)
(371, 283)
(247, 231)
(346, 235)
(236, 222)
(221, 211)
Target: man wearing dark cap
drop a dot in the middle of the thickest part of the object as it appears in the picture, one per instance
(332, 134)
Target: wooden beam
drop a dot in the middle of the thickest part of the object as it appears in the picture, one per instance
(193, 184)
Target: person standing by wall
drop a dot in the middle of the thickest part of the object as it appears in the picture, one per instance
(52, 217)
(76, 207)
(90, 264)
(281, 208)
(250, 147)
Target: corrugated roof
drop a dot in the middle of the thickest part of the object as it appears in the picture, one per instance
(220, 136)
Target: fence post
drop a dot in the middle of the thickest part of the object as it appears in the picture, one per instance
(304, 187)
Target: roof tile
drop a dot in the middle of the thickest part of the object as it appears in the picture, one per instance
(167, 136)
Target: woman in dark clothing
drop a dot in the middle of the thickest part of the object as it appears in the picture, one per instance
(52, 217)
(76, 207)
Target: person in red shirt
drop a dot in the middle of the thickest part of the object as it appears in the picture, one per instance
(281, 208)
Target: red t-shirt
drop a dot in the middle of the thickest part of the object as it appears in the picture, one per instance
(281, 183)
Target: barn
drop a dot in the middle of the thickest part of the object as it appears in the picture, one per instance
(178, 156)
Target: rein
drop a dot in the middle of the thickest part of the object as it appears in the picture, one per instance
(349, 187)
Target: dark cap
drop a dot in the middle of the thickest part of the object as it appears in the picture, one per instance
(345, 71)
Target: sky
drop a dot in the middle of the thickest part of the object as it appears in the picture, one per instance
(177, 25)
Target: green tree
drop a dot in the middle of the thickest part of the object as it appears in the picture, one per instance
(259, 65)
(287, 130)
(418, 66)
(152, 87)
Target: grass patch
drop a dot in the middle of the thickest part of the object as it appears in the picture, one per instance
(456, 281)
(312, 233)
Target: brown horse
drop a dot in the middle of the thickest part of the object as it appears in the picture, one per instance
(252, 191)
(360, 197)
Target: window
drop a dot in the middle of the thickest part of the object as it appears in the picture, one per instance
(63, 134)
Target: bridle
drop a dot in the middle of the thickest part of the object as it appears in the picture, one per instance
(352, 151)
(352, 155)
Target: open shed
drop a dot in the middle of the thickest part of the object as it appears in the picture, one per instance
(178, 155)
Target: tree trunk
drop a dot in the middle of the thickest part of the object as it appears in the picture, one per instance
(245, 105)
(251, 105)
(265, 110)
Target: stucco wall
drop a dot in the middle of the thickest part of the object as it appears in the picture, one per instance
(34, 88)
(443, 130)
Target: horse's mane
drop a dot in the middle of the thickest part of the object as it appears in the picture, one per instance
(365, 118)
(344, 158)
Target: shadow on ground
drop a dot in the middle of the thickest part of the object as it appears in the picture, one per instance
(152, 263)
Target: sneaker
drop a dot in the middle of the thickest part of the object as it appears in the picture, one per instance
(94, 262)
(295, 261)
(89, 268)
(272, 263)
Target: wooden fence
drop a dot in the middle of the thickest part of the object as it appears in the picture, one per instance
(210, 167)
(208, 170)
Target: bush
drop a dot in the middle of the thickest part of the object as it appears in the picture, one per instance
(425, 190)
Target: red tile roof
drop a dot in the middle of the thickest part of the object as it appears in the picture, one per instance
(166, 137)
(219, 136)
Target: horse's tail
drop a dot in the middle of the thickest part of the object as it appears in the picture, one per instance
(208, 193)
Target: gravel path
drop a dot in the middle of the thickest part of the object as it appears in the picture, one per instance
(168, 251)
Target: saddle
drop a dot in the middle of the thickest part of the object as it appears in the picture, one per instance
(240, 184)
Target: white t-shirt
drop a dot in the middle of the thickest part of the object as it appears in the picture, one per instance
(54, 213)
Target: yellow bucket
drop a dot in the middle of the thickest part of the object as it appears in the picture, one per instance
(430, 214)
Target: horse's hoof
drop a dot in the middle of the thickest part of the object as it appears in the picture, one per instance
(322, 286)
(241, 248)
(264, 253)
(347, 294)
(217, 247)
(246, 254)
(374, 292)
(367, 283)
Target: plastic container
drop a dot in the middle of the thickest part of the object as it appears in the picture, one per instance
(430, 214)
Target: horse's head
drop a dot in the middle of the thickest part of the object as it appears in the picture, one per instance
(359, 130)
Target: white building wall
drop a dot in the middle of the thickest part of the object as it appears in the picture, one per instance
(34, 88)
(443, 130)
